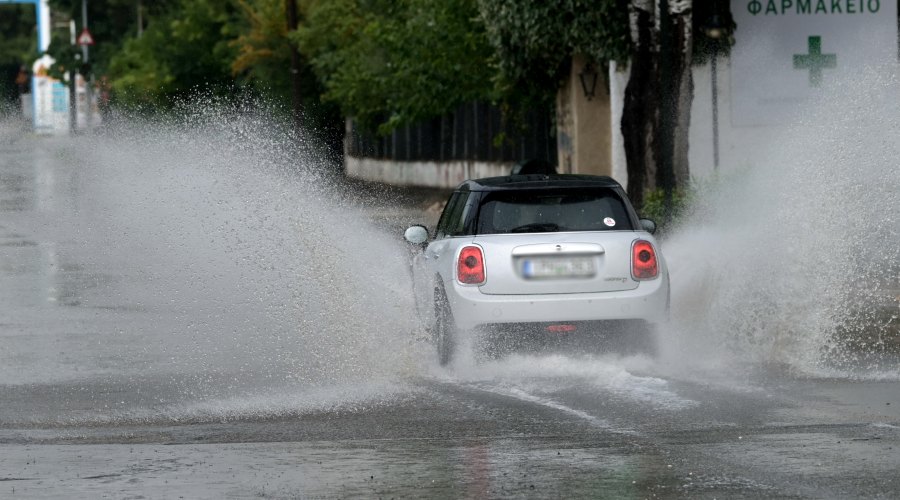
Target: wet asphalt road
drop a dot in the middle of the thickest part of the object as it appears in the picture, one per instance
(144, 356)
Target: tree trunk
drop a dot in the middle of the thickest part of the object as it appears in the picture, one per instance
(680, 91)
(640, 108)
(296, 91)
(656, 112)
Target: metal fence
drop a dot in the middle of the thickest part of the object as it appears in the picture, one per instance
(474, 131)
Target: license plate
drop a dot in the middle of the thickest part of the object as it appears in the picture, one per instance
(558, 267)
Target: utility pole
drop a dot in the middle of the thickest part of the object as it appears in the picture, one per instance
(296, 91)
(88, 75)
(73, 94)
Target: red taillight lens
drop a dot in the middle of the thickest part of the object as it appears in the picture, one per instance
(643, 261)
(470, 266)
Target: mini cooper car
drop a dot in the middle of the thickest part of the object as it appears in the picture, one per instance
(531, 255)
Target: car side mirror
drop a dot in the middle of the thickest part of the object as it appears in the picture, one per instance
(648, 225)
(416, 235)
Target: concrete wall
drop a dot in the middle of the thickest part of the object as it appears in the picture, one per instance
(421, 173)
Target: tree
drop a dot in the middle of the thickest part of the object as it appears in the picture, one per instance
(263, 51)
(657, 108)
(656, 112)
(387, 62)
(18, 46)
(111, 22)
(534, 41)
(263, 62)
(181, 50)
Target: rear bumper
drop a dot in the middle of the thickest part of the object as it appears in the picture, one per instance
(471, 308)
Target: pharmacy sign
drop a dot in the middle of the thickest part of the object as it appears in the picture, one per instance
(787, 50)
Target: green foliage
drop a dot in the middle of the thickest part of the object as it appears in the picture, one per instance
(387, 62)
(187, 48)
(536, 39)
(18, 41)
(383, 62)
(67, 57)
(263, 61)
(18, 46)
(111, 23)
(263, 52)
(656, 209)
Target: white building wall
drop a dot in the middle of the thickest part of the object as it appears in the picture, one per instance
(739, 146)
(762, 93)
(421, 173)
(618, 79)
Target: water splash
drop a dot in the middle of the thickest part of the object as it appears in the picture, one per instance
(626, 377)
(795, 261)
(206, 256)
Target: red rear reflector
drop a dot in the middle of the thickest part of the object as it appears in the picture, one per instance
(643, 261)
(561, 328)
(470, 266)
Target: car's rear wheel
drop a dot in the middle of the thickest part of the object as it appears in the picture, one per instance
(444, 332)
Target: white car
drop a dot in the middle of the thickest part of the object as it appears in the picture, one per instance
(538, 255)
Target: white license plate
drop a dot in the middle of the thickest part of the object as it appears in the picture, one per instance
(558, 267)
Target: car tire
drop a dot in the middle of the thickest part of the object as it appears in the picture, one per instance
(444, 331)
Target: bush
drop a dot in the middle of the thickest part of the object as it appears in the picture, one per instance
(655, 208)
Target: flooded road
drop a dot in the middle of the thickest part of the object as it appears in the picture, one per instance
(182, 315)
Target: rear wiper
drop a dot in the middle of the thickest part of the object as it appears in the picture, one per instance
(536, 227)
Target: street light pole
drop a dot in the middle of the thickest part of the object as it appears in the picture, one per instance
(85, 57)
(73, 89)
(713, 67)
(717, 30)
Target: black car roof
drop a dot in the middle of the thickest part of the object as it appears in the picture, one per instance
(537, 181)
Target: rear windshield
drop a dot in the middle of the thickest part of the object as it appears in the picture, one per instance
(544, 211)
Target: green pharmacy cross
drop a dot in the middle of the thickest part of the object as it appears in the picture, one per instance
(815, 61)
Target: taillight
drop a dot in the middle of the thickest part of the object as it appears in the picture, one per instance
(470, 266)
(643, 261)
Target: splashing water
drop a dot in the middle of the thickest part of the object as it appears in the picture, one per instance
(208, 257)
(795, 261)
(612, 374)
